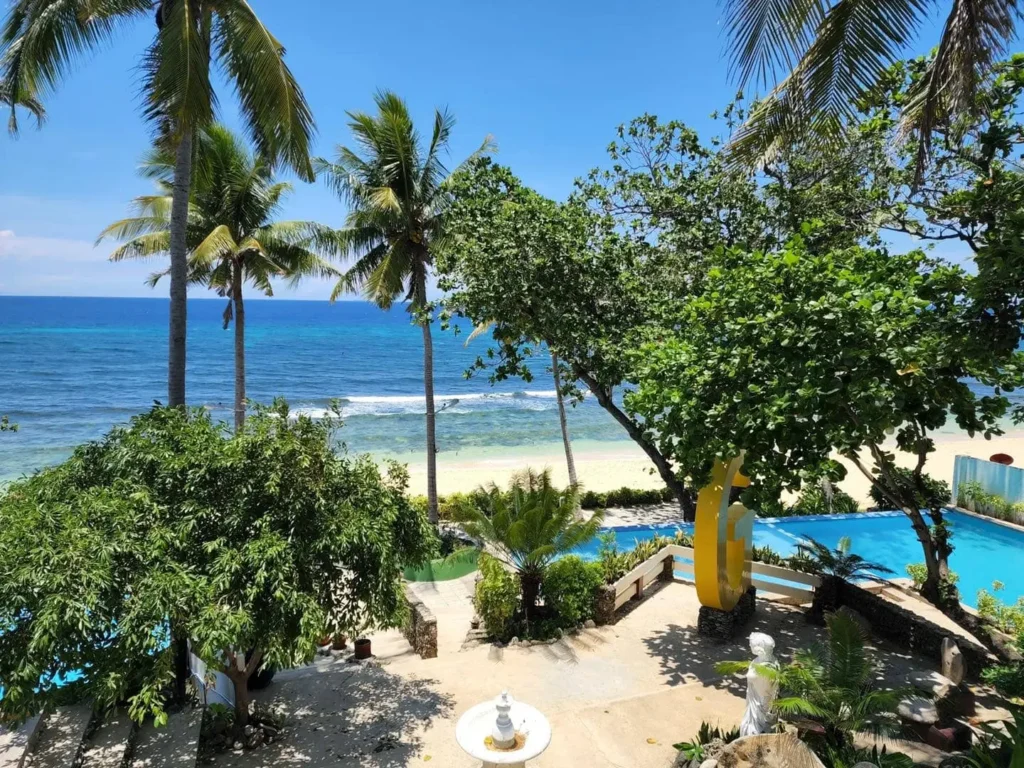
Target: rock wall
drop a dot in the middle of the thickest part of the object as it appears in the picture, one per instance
(420, 627)
(725, 625)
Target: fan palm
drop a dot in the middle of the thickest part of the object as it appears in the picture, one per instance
(528, 526)
(232, 237)
(839, 562)
(41, 40)
(8, 98)
(829, 687)
(836, 50)
(397, 197)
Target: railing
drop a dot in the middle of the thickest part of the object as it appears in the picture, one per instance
(678, 561)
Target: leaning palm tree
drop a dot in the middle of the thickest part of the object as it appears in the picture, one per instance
(839, 562)
(528, 527)
(232, 237)
(8, 98)
(834, 51)
(397, 194)
(41, 40)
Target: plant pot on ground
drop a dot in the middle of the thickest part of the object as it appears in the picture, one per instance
(262, 677)
(340, 642)
(363, 649)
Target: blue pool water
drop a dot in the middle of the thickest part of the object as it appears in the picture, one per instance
(985, 551)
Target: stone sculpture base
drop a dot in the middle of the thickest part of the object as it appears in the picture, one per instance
(726, 625)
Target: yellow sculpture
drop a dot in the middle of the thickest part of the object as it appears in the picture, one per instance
(722, 540)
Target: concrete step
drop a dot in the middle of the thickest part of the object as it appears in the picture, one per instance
(16, 743)
(62, 738)
(175, 745)
(111, 744)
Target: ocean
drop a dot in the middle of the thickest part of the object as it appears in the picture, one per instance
(71, 368)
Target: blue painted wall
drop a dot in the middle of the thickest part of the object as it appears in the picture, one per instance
(1004, 481)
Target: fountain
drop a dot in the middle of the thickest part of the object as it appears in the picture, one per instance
(503, 732)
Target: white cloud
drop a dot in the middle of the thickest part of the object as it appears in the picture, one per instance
(6, 233)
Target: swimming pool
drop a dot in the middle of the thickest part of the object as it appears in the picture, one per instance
(984, 551)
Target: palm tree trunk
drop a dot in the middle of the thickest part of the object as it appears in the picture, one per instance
(428, 392)
(179, 272)
(570, 464)
(236, 298)
(176, 343)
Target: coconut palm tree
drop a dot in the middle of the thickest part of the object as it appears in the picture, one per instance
(396, 191)
(528, 527)
(41, 40)
(232, 237)
(22, 99)
(839, 562)
(833, 52)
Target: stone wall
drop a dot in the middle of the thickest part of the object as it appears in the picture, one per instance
(420, 628)
(908, 629)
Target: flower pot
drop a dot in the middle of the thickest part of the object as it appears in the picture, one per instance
(363, 650)
(340, 642)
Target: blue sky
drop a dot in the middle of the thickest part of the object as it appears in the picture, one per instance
(549, 80)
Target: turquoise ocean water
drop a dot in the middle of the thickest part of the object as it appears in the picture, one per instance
(70, 368)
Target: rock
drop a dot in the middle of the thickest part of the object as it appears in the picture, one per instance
(513, 642)
(712, 763)
(238, 746)
(254, 740)
(865, 765)
(952, 661)
(767, 750)
(918, 709)
(941, 738)
(589, 624)
(932, 683)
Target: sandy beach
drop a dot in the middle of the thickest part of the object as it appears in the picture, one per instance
(603, 466)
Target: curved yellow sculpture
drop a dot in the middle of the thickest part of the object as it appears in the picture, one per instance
(722, 539)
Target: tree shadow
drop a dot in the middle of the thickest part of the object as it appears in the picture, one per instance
(342, 714)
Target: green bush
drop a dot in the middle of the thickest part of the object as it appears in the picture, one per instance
(615, 563)
(813, 500)
(936, 493)
(971, 495)
(497, 597)
(570, 589)
(624, 497)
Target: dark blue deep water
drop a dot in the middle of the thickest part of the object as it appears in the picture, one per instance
(72, 367)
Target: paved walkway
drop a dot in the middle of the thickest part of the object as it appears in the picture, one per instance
(616, 697)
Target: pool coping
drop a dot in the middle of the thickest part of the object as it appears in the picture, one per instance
(683, 525)
(996, 520)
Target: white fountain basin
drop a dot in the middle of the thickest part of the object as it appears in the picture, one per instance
(476, 726)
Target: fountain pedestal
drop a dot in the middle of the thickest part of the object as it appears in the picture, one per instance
(503, 732)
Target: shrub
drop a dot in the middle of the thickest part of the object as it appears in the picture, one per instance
(624, 497)
(615, 563)
(570, 589)
(767, 555)
(918, 572)
(497, 597)
(936, 494)
(815, 500)
(971, 495)
(694, 750)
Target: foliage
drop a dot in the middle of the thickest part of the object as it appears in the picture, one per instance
(840, 562)
(996, 749)
(615, 563)
(1008, 678)
(971, 495)
(570, 589)
(528, 527)
(832, 686)
(694, 750)
(22, 99)
(261, 541)
(823, 498)
(624, 497)
(935, 492)
(497, 597)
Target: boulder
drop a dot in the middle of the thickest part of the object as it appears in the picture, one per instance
(768, 750)
(952, 661)
(932, 684)
(918, 710)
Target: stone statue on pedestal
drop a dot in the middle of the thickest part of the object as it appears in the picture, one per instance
(761, 690)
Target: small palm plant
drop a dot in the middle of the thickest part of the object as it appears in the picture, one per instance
(527, 527)
(839, 562)
(827, 689)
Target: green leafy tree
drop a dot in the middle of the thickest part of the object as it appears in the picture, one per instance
(42, 40)
(831, 53)
(792, 354)
(232, 236)
(397, 192)
(274, 541)
(528, 527)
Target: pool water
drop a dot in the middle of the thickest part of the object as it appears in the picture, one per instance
(984, 551)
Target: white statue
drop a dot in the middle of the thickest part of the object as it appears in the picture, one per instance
(761, 690)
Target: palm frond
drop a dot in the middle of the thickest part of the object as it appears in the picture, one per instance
(143, 247)
(21, 99)
(767, 36)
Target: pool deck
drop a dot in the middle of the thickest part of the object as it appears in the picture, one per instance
(615, 696)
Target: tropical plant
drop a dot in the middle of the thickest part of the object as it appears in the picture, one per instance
(835, 52)
(823, 498)
(996, 749)
(828, 689)
(694, 750)
(397, 192)
(496, 597)
(232, 237)
(42, 40)
(23, 99)
(570, 590)
(529, 526)
(839, 562)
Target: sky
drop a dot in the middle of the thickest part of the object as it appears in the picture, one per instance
(550, 81)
